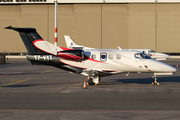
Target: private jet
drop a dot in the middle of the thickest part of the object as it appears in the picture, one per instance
(155, 55)
(93, 63)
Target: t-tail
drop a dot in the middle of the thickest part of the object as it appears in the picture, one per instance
(42, 51)
(34, 43)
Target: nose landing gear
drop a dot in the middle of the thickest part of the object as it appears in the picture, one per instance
(155, 82)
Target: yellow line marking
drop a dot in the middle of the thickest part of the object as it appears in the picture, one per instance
(18, 81)
(47, 71)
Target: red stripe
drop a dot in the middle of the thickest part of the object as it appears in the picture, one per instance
(66, 48)
(85, 57)
(69, 56)
(55, 30)
(37, 41)
(34, 42)
(55, 39)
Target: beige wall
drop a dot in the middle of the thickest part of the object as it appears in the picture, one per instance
(142, 26)
(168, 27)
(115, 26)
(9, 15)
(154, 26)
(87, 25)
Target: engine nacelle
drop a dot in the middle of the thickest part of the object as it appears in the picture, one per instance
(71, 54)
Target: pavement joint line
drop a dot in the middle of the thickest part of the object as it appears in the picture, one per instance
(18, 81)
(70, 85)
(47, 71)
(11, 74)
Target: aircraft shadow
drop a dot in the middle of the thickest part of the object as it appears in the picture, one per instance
(19, 86)
(148, 80)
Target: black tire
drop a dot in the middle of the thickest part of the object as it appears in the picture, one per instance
(90, 81)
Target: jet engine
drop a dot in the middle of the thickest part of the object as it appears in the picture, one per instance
(71, 54)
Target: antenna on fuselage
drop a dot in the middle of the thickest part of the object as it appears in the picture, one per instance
(119, 48)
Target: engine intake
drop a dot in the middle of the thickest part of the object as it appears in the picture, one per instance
(71, 54)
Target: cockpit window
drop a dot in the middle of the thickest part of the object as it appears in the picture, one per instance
(138, 55)
(142, 56)
(151, 51)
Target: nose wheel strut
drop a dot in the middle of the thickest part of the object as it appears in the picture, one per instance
(155, 82)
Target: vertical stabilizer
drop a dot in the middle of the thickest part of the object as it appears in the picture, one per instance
(69, 42)
(29, 35)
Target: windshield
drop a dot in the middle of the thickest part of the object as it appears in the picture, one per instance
(151, 51)
(142, 56)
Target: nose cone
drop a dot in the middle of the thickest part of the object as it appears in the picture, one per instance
(162, 67)
(167, 56)
(170, 69)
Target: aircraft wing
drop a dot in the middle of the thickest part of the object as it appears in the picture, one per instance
(94, 72)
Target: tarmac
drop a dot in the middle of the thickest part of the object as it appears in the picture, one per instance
(32, 92)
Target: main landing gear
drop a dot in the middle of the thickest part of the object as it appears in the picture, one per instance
(155, 82)
(93, 80)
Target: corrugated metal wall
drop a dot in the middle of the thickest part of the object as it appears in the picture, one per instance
(154, 26)
(115, 25)
(168, 27)
(142, 26)
(87, 25)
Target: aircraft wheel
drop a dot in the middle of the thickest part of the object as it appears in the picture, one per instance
(90, 81)
(155, 82)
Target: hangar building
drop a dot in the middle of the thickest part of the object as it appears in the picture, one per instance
(130, 24)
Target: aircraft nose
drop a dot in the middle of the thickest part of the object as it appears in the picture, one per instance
(167, 56)
(168, 68)
(162, 67)
(171, 69)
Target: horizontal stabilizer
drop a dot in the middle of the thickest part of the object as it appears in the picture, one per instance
(24, 30)
(29, 37)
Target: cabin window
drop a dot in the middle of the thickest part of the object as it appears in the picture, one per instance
(118, 56)
(103, 56)
(110, 56)
(93, 56)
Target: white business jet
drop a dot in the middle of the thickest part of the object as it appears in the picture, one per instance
(94, 63)
(155, 55)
